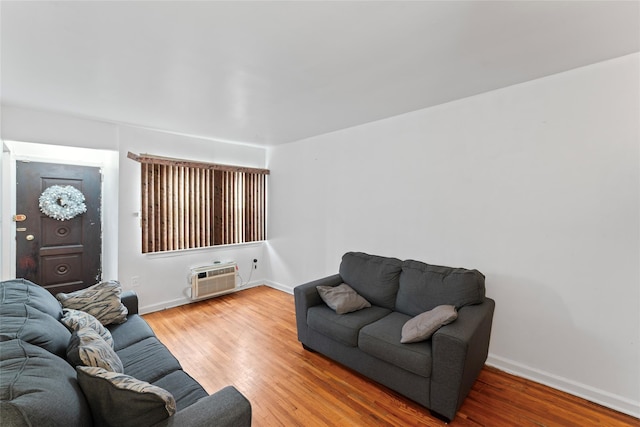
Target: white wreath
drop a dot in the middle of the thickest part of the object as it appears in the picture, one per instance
(62, 202)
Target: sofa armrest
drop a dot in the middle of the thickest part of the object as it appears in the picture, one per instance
(307, 296)
(130, 300)
(459, 351)
(225, 408)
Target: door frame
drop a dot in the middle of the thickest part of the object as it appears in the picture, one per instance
(107, 160)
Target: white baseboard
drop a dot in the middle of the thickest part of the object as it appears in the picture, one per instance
(278, 286)
(601, 397)
(182, 301)
(163, 305)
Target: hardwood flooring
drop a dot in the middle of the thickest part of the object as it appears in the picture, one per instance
(248, 339)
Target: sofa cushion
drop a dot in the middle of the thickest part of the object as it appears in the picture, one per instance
(185, 390)
(343, 328)
(21, 321)
(76, 319)
(422, 326)
(38, 388)
(136, 357)
(381, 339)
(88, 348)
(120, 400)
(135, 330)
(24, 291)
(342, 298)
(101, 300)
(424, 287)
(373, 277)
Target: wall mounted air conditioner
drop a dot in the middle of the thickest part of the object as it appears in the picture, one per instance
(211, 280)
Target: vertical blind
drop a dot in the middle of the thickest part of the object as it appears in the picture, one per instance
(189, 204)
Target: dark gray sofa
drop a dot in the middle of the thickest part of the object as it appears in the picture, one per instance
(437, 373)
(38, 387)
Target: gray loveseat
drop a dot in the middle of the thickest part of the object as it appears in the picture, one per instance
(39, 387)
(437, 373)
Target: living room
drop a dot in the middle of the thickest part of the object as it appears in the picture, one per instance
(534, 183)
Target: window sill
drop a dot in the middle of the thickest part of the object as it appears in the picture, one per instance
(182, 252)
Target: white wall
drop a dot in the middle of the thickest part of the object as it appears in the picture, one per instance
(536, 185)
(28, 125)
(162, 278)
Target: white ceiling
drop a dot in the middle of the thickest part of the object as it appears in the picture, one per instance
(273, 72)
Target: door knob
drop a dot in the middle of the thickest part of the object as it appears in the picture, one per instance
(29, 237)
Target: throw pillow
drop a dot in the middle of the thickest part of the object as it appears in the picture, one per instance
(86, 347)
(422, 326)
(121, 401)
(76, 319)
(102, 301)
(342, 298)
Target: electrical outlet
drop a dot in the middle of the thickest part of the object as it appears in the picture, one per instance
(135, 281)
(255, 263)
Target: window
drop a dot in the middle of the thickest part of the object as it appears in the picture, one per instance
(189, 204)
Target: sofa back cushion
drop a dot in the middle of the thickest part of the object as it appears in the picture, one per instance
(21, 321)
(424, 287)
(373, 277)
(24, 291)
(38, 388)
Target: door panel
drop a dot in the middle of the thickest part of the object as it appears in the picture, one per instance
(57, 233)
(61, 256)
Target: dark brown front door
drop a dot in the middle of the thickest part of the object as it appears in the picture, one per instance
(60, 255)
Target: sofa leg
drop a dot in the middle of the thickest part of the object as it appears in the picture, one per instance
(308, 348)
(439, 416)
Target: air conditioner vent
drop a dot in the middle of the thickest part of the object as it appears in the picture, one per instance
(211, 280)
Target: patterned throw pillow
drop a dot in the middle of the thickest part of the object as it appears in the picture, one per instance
(88, 348)
(76, 319)
(121, 400)
(102, 301)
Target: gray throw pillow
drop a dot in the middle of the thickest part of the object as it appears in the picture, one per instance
(121, 401)
(86, 347)
(422, 326)
(102, 301)
(75, 320)
(342, 298)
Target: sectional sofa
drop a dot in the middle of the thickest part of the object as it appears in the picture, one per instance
(43, 382)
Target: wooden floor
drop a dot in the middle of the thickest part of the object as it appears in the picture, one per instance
(248, 339)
